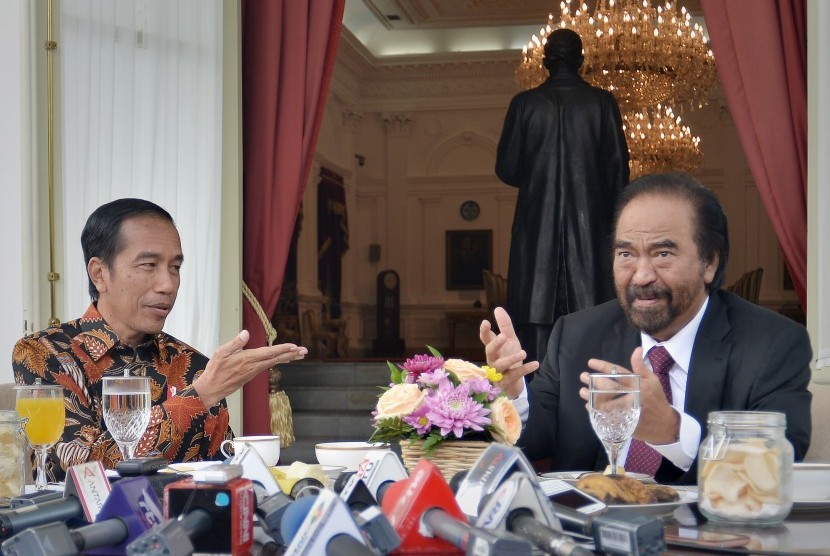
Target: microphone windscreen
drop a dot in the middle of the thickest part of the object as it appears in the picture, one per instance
(294, 516)
(341, 480)
(456, 480)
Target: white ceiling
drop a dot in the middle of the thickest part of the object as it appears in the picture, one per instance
(391, 28)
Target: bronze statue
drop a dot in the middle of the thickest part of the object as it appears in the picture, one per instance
(563, 146)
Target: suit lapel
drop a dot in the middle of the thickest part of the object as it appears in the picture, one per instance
(618, 345)
(710, 358)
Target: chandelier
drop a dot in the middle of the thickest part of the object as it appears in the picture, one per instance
(659, 142)
(643, 54)
(648, 57)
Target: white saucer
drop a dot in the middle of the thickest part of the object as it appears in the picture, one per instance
(660, 509)
(575, 475)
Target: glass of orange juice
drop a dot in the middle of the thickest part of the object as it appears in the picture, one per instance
(41, 406)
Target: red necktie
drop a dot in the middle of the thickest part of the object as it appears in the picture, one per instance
(642, 458)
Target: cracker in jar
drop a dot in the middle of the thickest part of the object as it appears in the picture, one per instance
(724, 482)
(762, 472)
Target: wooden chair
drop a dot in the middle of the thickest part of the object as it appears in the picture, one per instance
(748, 286)
(495, 290)
(324, 338)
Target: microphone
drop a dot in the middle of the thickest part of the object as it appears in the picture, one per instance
(255, 469)
(487, 473)
(616, 532)
(130, 509)
(520, 506)
(86, 489)
(322, 525)
(212, 511)
(427, 517)
(375, 473)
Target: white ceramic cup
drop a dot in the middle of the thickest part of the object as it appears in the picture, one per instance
(268, 447)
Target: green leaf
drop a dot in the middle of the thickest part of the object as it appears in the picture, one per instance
(481, 397)
(396, 373)
(434, 352)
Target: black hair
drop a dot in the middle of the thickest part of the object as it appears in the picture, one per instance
(563, 46)
(101, 236)
(711, 232)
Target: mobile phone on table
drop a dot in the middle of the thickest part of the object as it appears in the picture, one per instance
(140, 466)
(564, 493)
(691, 537)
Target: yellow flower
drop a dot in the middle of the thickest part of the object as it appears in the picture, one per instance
(506, 419)
(492, 374)
(399, 401)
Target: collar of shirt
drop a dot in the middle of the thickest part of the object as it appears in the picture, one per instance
(680, 345)
(98, 339)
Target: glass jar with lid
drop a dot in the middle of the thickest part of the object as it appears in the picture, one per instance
(745, 465)
(12, 454)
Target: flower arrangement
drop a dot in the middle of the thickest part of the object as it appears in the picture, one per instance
(434, 400)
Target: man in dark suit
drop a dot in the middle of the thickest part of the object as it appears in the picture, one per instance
(720, 351)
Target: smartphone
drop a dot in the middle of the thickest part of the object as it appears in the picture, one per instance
(140, 466)
(564, 493)
(687, 536)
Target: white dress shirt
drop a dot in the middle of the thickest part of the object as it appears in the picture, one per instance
(683, 452)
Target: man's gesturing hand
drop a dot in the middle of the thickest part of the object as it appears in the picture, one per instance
(505, 353)
(231, 366)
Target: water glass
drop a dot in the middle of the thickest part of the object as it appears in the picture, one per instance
(614, 409)
(126, 410)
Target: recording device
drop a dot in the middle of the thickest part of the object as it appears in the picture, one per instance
(373, 476)
(130, 509)
(140, 466)
(377, 530)
(428, 519)
(86, 489)
(307, 486)
(520, 506)
(565, 494)
(208, 516)
(487, 473)
(217, 474)
(616, 532)
(270, 511)
(325, 527)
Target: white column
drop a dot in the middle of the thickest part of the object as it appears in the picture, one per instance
(818, 186)
(15, 176)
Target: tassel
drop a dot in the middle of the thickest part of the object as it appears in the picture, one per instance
(282, 421)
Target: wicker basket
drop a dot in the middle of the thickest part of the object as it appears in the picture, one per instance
(450, 456)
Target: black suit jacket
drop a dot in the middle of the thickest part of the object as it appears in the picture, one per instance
(744, 358)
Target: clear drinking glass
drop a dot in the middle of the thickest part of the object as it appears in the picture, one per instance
(41, 407)
(614, 408)
(126, 410)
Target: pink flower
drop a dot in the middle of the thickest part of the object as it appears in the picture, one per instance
(419, 420)
(419, 364)
(481, 386)
(452, 410)
(434, 378)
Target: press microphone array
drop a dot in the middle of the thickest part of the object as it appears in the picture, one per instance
(86, 489)
(212, 511)
(425, 514)
(518, 505)
(130, 509)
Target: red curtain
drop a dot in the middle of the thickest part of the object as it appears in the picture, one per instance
(760, 47)
(288, 53)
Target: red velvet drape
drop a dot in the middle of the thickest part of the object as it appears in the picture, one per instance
(288, 53)
(760, 47)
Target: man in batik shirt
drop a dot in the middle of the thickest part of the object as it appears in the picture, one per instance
(133, 257)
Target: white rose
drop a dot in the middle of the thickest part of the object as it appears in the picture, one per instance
(464, 370)
(506, 419)
(400, 400)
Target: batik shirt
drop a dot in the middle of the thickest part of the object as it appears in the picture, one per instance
(77, 354)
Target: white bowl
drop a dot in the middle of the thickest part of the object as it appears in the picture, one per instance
(811, 482)
(345, 454)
